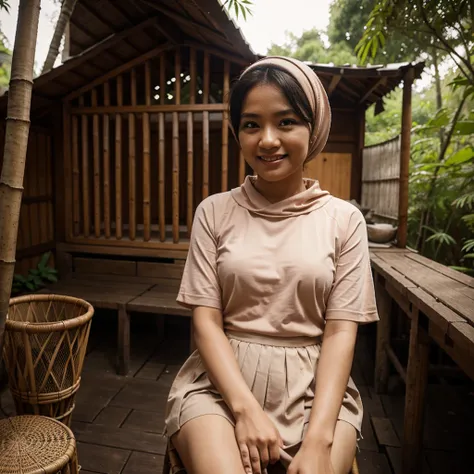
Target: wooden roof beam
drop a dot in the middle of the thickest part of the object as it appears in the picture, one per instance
(93, 51)
(381, 81)
(171, 34)
(186, 21)
(333, 84)
(122, 68)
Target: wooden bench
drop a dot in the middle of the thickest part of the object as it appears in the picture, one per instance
(126, 284)
(439, 303)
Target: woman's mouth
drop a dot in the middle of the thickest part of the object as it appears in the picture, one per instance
(272, 158)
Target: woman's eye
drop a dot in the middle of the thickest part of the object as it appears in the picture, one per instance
(287, 122)
(248, 125)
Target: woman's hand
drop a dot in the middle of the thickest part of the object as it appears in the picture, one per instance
(258, 440)
(312, 460)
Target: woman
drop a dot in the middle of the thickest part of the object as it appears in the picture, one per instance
(278, 277)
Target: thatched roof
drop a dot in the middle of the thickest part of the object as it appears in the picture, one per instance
(106, 34)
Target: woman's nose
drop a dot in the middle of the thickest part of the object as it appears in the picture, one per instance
(269, 138)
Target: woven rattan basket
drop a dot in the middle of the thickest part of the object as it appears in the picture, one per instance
(45, 344)
(36, 445)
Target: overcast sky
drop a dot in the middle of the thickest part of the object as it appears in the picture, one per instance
(270, 20)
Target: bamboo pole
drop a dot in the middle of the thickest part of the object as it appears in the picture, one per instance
(205, 130)
(132, 181)
(106, 154)
(241, 167)
(75, 175)
(161, 152)
(118, 162)
(175, 146)
(146, 158)
(85, 171)
(404, 160)
(96, 158)
(225, 130)
(16, 142)
(190, 144)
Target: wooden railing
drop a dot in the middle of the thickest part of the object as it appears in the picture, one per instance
(146, 145)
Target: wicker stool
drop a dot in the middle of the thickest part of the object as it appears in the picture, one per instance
(172, 463)
(31, 444)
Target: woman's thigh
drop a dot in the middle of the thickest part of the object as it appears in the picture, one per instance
(207, 444)
(343, 447)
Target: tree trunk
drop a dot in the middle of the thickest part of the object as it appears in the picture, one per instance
(67, 8)
(439, 97)
(16, 143)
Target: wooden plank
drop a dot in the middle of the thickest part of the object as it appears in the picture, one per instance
(160, 270)
(164, 304)
(112, 416)
(85, 173)
(106, 158)
(373, 463)
(130, 251)
(144, 463)
(96, 161)
(175, 180)
(130, 243)
(161, 153)
(225, 130)
(148, 421)
(132, 179)
(190, 142)
(443, 288)
(104, 266)
(384, 432)
(98, 458)
(205, 129)
(146, 158)
(155, 108)
(66, 117)
(118, 162)
(382, 368)
(119, 438)
(241, 167)
(443, 269)
(75, 175)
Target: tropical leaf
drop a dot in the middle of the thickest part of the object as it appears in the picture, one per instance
(464, 127)
(462, 156)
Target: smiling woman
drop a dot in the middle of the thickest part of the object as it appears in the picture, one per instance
(278, 277)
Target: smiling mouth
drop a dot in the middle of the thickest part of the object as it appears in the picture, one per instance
(272, 158)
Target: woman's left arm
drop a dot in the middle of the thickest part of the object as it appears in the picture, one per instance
(332, 375)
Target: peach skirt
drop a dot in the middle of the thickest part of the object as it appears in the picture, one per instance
(281, 375)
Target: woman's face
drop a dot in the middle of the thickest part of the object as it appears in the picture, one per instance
(274, 140)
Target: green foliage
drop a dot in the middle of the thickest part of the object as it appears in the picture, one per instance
(4, 5)
(240, 7)
(311, 47)
(37, 277)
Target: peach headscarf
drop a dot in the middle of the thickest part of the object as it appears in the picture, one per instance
(315, 92)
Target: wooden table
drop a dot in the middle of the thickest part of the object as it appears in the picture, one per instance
(439, 302)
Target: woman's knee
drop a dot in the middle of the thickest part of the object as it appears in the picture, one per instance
(207, 444)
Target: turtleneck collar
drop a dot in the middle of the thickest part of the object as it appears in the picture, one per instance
(304, 202)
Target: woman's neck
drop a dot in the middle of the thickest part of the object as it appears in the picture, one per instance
(280, 190)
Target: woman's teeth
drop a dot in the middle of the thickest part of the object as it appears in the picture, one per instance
(271, 158)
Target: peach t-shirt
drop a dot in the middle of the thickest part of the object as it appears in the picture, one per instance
(279, 269)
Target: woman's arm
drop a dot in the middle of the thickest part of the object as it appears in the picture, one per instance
(257, 437)
(219, 360)
(332, 375)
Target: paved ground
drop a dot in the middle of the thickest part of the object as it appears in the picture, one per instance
(118, 421)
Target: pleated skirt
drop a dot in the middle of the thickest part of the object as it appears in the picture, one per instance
(280, 372)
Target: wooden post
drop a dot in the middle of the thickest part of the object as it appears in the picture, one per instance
(118, 162)
(190, 143)
(75, 174)
(67, 170)
(417, 378)
(384, 307)
(241, 167)
(161, 152)
(405, 160)
(132, 181)
(123, 342)
(85, 170)
(225, 129)
(146, 158)
(205, 130)
(175, 143)
(106, 155)
(95, 154)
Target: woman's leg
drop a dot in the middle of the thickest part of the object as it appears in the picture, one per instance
(343, 447)
(207, 444)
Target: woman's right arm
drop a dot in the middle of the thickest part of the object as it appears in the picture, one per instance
(257, 437)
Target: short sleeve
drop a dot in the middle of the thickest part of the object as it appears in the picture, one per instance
(352, 295)
(199, 284)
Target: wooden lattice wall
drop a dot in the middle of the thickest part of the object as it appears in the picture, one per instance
(36, 225)
(381, 178)
(144, 146)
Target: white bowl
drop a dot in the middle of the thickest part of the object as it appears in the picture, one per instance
(381, 233)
